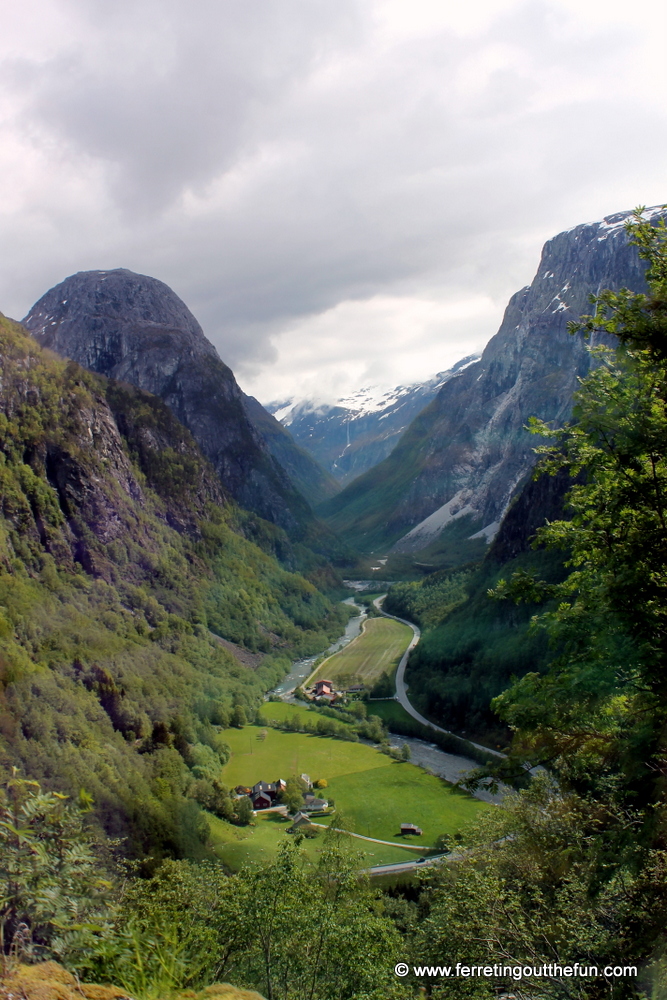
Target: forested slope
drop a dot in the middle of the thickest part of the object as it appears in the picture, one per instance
(120, 556)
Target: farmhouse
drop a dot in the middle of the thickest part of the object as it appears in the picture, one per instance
(411, 828)
(323, 688)
(312, 804)
(264, 793)
(306, 780)
(261, 800)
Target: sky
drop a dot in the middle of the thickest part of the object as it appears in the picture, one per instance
(344, 192)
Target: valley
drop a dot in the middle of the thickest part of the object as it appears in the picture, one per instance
(373, 794)
(212, 732)
(376, 651)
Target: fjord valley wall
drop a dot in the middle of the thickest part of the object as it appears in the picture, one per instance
(122, 559)
(466, 454)
(134, 328)
(357, 432)
(472, 646)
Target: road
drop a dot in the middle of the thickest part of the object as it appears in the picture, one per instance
(374, 840)
(402, 688)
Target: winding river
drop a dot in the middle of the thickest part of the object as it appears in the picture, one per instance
(452, 767)
(302, 668)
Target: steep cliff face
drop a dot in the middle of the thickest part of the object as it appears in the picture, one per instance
(135, 329)
(467, 453)
(352, 435)
(304, 470)
(122, 565)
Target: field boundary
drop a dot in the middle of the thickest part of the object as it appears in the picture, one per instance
(349, 645)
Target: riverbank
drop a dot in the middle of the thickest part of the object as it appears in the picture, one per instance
(301, 669)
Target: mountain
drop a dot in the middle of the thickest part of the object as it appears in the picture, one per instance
(134, 328)
(138, 604)
(468, 451)
(303, 469)
(356, 432)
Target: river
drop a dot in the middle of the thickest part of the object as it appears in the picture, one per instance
(301, 669)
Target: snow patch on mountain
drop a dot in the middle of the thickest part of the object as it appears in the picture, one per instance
(354, 433)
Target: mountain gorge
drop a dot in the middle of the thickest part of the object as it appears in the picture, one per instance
(468, 452)
(356, 432)
(133, 328)
(139, 604)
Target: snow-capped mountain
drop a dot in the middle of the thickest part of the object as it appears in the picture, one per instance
(358, 431)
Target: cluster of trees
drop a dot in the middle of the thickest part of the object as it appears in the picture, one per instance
(345, 725)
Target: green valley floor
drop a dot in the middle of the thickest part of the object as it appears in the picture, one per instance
(373, 795)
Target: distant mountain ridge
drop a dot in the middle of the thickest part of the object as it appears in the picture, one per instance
(356, 432)
(134, 328)
(468, 452)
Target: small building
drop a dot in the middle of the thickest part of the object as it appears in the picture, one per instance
(261, 800)
(306, 780)
(280, 786)
(268, 787)
(312, 804)
(356, 688)
(301, 819)
(323, 688)
(411, 828)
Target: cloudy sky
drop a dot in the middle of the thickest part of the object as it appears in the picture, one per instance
(343, 191)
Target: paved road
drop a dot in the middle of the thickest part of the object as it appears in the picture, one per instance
(374, 840)
(402, 688)
(404, 866)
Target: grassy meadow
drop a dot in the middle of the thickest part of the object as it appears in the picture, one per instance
(376, 651)
(373, 795)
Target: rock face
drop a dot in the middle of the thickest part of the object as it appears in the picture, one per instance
(352, 435)
(135, 329)
(468, 452)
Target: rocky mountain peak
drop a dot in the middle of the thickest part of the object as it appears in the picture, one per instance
(134, 328)
(468, 452)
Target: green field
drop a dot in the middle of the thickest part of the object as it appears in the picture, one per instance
(280, 711)
(389, 711)
(373, 795)
(376, 651)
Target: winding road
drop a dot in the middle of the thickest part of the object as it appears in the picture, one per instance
(402, 688)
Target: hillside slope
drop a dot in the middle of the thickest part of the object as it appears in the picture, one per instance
(134, 328)
(121, 560)
(468, 451)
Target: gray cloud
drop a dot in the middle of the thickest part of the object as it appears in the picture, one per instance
(288, 165)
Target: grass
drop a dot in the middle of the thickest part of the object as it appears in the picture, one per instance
(372, 793)
(376, 651)
(389, 711)
(280, 711)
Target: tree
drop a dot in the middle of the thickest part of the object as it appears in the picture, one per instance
(318, 932)
(598, 715)
(244, 811)
(53, 893)
(405, 752)
(239, 718)
(597, 719)
(292, 795)
(358, 710)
